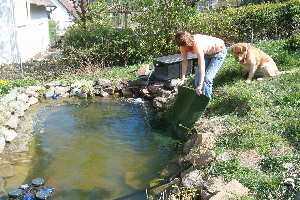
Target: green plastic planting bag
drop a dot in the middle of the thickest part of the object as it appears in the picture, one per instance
(187, 109)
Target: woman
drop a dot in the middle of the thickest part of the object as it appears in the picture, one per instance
(210, 51)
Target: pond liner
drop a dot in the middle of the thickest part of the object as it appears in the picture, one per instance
(186, 110)
(172, 178)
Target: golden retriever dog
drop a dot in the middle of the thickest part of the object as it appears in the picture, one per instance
(255, 61)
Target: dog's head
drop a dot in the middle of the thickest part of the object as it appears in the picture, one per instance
(240, 50)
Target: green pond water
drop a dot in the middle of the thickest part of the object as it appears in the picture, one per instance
(100, 148)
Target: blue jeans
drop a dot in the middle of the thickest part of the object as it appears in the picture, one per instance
(212, 65)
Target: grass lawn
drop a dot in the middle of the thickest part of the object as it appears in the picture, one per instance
(262, 116)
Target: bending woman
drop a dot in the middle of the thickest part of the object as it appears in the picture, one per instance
(210, 51)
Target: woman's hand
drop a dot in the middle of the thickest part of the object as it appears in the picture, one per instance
(198, 90)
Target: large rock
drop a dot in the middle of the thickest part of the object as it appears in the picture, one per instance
(233, 189)
(17, 105)
(11, 96)
(192, 179)
(103, 82)
(143, 70)
(23, 98)
(13, 122)
(201, 160)
(8, 135)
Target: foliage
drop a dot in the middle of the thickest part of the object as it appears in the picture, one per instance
(246, 2)
(294, 41)
(100, 45)
(252, 23)
(159, 23)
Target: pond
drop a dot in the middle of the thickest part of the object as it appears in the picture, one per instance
(100, 148)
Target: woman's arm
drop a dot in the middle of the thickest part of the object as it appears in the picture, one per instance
(183, 69)
(184, 66)
(201, 63)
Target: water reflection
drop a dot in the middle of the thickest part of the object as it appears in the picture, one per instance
(99, 146)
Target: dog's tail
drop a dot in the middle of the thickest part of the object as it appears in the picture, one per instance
(287, 72)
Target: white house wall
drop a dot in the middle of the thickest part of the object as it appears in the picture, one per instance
(9, 52)
(24, 31)
(61, 17)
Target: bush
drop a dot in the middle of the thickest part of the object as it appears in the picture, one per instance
(251, 23)
(294, 41)
(101, 47)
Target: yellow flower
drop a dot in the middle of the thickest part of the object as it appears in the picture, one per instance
(3, 81)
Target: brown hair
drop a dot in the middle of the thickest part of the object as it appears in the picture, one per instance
(184, 38)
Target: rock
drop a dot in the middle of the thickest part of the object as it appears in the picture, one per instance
(11, 96)
(50, 91)
(200, 160)
(171, 84)
(8, 135)
(127, 92)
(82, 94)
(75, 91)
(97, 192)
(103, 82)
(189, 144)
(236, 188)
(160, 102)
(215, 185)
(138, 83)
(143, 70)
(35, 88)
(19, 113)
(31, 93)
(13, 122)
(164, 93)
(23, 98)
(17, 105)
(192, 179)
(153, 88)
(61, 90)
(109, 90)
(32, 100)
(103, 93)
(205, 195)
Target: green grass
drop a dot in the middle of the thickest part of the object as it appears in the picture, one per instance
(261, 116)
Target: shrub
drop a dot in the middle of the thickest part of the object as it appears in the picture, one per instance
(294, 41)
(101, 47)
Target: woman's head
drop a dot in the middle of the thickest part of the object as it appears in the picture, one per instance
(184, 38)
